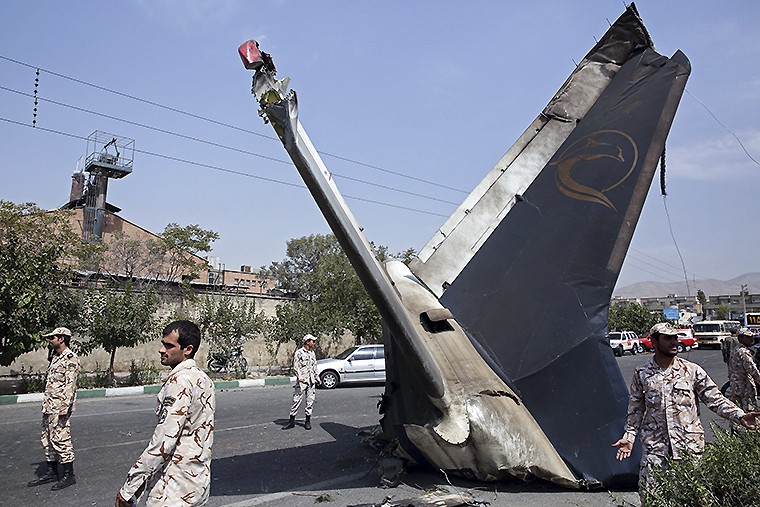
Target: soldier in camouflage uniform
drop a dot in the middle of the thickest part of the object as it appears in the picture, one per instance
(57, 406)
(743, 372)
(663, 405)
(305, 367)
(175, 468)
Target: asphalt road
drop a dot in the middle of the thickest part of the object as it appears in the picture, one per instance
(255, 461)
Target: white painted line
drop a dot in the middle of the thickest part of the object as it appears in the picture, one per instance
(117, 444)
(30, 398)
(251, 382)
(309, 487)
(124, 391)
(77, 415)
(247, 426)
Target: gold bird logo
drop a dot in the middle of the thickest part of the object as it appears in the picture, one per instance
(579, 163)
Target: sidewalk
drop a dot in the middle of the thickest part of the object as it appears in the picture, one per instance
(10, 399)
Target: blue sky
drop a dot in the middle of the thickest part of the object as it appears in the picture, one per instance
(434, 90)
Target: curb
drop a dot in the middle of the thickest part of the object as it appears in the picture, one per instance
(11, 399)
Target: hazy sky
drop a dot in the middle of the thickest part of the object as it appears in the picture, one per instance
(434, 90)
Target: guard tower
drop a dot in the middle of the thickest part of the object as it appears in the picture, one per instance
(108, 156)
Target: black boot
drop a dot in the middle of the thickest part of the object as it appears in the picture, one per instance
(51, 475)
(68, 477)
(307, 425)
(291, 423)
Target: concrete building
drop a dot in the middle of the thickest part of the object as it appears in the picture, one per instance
(690, 306)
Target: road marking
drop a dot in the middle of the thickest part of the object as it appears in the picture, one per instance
(309, 487)
(119, 444)
(77, 415)
(242, 427)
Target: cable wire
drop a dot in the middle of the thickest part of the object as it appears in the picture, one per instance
(672, 235)
(223, 124)
(663, 262)
(726, 128)
(226, 170)
(218, 145)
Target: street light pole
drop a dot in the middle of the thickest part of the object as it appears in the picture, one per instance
(743, 289)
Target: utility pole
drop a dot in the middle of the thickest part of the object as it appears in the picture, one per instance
(743, 291)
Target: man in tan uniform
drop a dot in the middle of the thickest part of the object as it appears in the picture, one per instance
(743, 373)
(305, 368)
(663, 406)
(175, 468)
(57, 406)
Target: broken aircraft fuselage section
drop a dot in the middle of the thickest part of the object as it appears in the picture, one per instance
(496, 359)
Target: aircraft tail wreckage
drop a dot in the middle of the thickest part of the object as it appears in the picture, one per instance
(496, 357)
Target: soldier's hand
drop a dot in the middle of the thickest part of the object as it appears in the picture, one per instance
(749, 420)
(624, 449)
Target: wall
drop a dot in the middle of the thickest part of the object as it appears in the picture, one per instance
(254, 350)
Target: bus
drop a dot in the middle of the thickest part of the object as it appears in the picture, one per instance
(711, 333)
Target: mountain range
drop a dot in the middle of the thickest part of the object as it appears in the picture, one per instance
(709, 286)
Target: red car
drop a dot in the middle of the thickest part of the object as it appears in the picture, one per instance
(686, 341)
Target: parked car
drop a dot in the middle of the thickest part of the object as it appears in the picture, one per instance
(362, 363)
(686, 341)
(623, 341)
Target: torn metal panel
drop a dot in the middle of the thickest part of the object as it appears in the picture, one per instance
(456, 242)
(495, 353)
(535, 295)
(447, 370)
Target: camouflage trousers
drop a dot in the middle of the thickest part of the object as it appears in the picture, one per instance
(309, 391)
(56, 438)
(648, 463)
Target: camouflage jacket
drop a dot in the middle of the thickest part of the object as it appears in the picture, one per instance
(305, 365)
(175, 467)
(663, 405)
(61, 383)
(743, 373)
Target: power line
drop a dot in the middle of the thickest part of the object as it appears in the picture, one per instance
(217, 145)
(678, 250)
(223, 124)
(226, 170)
(646, 270)
(678, 268)
(722, 125)
(663, 271)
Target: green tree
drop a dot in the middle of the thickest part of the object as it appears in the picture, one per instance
(227, 323)
(38, 254)
(633, 317)
(291, 322)
(133, 257)
(702, 299)
(176, 243)
(114, 318)
(329, 297)
(722, 312)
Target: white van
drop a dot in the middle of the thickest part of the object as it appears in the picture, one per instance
(711, 333)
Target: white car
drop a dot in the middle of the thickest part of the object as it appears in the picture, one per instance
(624, 341)
(362, 363)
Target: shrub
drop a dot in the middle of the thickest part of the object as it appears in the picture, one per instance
(727, 475)
(97, 379)
(31, 382)
(142, 373)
